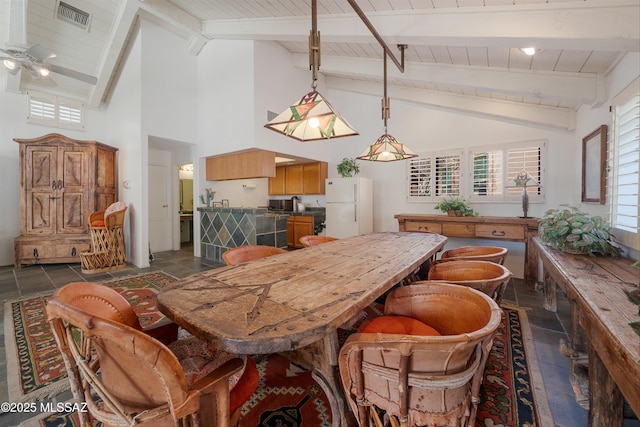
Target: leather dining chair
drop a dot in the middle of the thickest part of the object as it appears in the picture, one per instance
(138, 379)
(249, 253)
(485, 276)
(495, 254)
(312, 240)
(107, 240)
(395, 367)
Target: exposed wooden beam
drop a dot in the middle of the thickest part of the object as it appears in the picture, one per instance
(537, 115)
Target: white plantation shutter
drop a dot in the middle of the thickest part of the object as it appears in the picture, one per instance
(447, 175)
(434, 175)
(528, 159)
(624, 172)
(55, 111)
(487, 176)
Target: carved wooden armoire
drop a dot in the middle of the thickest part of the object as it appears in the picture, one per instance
(62, 181)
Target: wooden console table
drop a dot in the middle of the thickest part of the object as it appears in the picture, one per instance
(481, 227)
(600, 313)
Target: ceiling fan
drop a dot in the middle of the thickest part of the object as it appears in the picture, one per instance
(33, 60)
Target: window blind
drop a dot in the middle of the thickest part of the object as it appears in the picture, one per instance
(55, 111)
(624, 158)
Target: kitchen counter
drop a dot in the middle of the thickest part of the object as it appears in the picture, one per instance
(226, 228)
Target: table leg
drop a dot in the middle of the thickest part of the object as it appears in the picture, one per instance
(321, 358)
(549, 291)
(606, 404)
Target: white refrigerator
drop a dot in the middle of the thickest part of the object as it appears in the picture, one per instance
(349, 206)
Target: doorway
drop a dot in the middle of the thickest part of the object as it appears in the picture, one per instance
(186, 204)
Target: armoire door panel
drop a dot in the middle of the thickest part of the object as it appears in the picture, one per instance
(72, 212)
(41, 168)
(41, 214)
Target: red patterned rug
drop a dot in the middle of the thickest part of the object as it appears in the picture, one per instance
(35, 368)
(512, 394)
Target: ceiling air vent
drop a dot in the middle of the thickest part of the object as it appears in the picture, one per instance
(71, 14)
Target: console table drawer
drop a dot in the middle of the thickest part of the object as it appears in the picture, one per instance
(422, 226)
(507, 232)
(458, 230)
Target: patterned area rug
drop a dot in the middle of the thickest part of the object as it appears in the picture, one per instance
(35, 368)
(512, 394)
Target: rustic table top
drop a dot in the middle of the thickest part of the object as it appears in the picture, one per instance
(288, 301)
(600, 286)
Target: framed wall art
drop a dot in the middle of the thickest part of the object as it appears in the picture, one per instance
(594, 165)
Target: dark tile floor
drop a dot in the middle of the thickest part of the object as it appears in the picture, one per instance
(547, 328)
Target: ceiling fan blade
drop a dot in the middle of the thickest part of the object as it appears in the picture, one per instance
(73, 74)
(39, 52)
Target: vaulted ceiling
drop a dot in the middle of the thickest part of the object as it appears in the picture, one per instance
(462, 54)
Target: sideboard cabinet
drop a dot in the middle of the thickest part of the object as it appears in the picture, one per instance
(62, 181)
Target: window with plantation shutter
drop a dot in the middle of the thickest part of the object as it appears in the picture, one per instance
(435, 175)
(55, 111)
(494, 168)
(623, 158)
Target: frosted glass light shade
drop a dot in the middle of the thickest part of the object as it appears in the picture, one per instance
(386, 149)
(311, 119)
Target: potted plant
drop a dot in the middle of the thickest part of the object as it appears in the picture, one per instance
(455, 206)
(569, 229)
(348, 167)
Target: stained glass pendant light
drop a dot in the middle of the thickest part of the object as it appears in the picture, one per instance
(387, 148)
(312, 118)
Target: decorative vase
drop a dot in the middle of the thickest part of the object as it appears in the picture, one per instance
(454, 213)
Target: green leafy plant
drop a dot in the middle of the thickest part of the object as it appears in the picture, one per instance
(569, 229)
(455, 206)
(348, 167)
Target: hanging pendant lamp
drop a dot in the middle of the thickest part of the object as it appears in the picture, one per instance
(387, 148)
(312, 118)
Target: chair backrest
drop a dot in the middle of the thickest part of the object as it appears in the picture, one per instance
(137, 374)
(99, 300)
(109, 218)
(312, 240)
(423, 380)
(476, 253)
(485, 276)
(249, 253)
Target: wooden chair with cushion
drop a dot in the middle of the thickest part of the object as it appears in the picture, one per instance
(312, 240)
(422, 363)
(107, 240)
(137, 378)
(249, 253)
(485, 276)
(476, 253)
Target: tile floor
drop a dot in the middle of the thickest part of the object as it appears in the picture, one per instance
(547, 328)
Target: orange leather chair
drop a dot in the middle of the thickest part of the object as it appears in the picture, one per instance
(249, 253)
(416, 376)
(312, 240)
(107, 240)
(140, 380)
(476, 253)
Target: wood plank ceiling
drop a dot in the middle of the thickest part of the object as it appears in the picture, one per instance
(462, 54)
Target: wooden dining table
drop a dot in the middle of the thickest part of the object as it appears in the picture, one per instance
(294, 303)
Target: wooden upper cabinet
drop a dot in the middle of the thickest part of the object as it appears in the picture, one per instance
(276, 184)
(314, 177)
(247, 164)
(294, 183)
(308, 178)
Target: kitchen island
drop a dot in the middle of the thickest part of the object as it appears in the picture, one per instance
(226, 228)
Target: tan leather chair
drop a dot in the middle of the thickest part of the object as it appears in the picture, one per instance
(312, 240)
(476, 253)
(422, 380)
(107, 240)
(485, 276)
(249, 253)
(107, 354)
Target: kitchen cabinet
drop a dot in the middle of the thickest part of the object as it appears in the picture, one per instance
(298, 226)
(62, 181)
(308, 178)
(241, 165)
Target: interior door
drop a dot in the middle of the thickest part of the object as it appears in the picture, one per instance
(160, 234)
